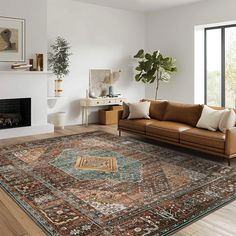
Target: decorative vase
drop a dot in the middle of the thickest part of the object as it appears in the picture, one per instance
(92, 94)
(39, 62)
(111, 91)
(58, 88)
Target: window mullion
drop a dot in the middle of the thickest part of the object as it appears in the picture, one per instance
(205, 66)
(223, 66)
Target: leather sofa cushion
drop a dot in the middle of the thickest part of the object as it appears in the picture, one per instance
(204, 137)
(157, 108)
(136, 125)
(184, 113)
(166, 129)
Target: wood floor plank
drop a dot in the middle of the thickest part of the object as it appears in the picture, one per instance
(19, 215)
(9, 224)
(220, 223)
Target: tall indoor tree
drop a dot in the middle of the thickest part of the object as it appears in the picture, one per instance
(59, 60)
(154, 67)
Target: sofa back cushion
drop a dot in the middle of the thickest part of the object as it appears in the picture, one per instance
(183, 113)
(125, 112)
(157, 109)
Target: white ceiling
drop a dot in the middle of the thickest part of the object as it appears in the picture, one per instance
(140, 5)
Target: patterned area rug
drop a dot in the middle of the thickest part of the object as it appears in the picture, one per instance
(100, 184)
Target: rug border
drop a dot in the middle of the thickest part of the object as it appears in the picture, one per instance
(50, 138)
(199, 217)
(171, 232)
(32, 217)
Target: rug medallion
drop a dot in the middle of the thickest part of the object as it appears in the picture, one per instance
(107, 164)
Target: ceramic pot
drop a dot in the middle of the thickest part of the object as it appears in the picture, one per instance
(58, 88)
(59, 120)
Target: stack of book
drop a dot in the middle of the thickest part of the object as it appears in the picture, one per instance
(21, 66)
(115, 95)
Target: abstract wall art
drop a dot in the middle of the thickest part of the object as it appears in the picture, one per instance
(99, 81)
(12, 39)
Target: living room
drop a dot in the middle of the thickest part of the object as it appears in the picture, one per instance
(124, 117)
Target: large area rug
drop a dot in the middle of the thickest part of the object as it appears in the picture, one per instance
(100, 184)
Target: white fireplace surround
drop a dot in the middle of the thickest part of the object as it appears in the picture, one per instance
(26, 84)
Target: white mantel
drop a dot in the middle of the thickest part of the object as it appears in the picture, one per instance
(25, 72)
(26, 84)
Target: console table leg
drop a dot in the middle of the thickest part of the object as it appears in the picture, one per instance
(86, 114)
(83, 116)
(120, 133)
(229, 164)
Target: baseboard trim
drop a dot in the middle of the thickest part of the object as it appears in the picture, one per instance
(26, 131)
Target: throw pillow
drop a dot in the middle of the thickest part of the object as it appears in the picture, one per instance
(227, 120)
(125, 113)
(139, 110)
(210, 118)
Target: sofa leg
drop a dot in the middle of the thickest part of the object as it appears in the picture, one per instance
(119, 133)
(229, 164)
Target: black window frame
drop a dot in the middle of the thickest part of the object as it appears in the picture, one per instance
(223, 27)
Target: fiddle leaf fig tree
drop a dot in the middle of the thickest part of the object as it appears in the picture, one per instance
(154, 67)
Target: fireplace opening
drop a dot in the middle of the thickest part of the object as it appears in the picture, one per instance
(15, 113)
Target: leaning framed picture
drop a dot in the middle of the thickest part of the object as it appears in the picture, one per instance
(99, 81)
(12, 39)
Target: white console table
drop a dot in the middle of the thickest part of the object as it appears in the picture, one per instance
(87, 103)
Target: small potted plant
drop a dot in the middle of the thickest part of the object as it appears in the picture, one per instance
(154, 67)
(59, 60)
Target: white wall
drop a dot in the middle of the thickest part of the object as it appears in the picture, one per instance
(35, 14)
(100, 37)
(172, 31)
(108, 38)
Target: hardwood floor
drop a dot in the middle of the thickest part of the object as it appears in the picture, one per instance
(15, 222)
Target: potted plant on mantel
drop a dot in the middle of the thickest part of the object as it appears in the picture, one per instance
(59, 60)
(154, 67)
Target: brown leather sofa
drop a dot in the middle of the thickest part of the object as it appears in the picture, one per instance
(175, 123)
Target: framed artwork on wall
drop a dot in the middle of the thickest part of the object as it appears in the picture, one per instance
(12, 39)
(99, 82)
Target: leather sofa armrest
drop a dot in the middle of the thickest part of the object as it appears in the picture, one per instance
(230, 141)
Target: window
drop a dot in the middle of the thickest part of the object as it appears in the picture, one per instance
(220, 66)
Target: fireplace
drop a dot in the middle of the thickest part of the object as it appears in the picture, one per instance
(15, 113)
